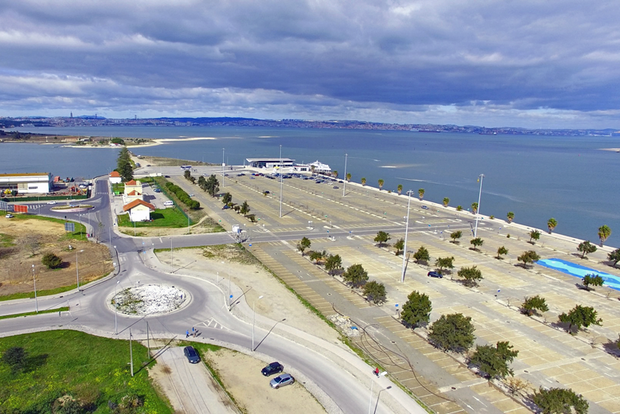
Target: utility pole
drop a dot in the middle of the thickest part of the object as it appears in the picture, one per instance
(130, 353)
(402, 279)
(280, 181)
(34, 281)
(344, 187)
(480, 178)
(223, 184)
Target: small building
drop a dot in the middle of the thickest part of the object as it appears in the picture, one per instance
(320, 168)
(133, 191)
(28, 183)
(139, 210)
(115, 177)
(270, 162)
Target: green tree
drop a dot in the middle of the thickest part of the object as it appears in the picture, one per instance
(444, 263)
(51, 261)
(586, 247)
(459, 208)
(317, 256)
(474, 208)
(348, 177)
(226, 198)
(333, 263)
(592, 280)
(533, 304)
(453, 332)
(528, 257)
(124, 166)
(417, 310)
(501, 251)
(422, 255)
(399, 188)
(560, 401)
(303, 244)
(534, 235)
(552, 224)
(363, 181)
(202, 183)
(382, 238)
(245, 208)
(580, 316)
(492, 361)
(455, 235)
(446, 201)
(399, 246)
(471, 275)
(375, 292)
(355, 275)
(603, 233)
(335, 174)
(477, 242)
(187, 174)
(381, 182)
(510, 216)
(421, 193)
(614, 257)
(212, 185)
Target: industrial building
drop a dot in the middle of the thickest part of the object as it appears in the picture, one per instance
(28, 183)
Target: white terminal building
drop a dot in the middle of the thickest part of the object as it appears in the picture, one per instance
(288, 165)
(28, 183)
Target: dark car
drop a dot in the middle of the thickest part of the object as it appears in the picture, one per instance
(281, 381)
(424, 208)
(434, 274)
(191, 354)
(273, 368)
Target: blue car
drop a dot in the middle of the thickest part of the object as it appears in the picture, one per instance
(191, 354)
(434, 274)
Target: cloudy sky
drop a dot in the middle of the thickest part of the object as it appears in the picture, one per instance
(545, 63)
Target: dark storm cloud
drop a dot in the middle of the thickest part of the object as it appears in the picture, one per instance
(395, 61)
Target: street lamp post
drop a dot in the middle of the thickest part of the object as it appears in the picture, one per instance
(344, 187)
(34, 281)
(379, 396)
(77, 269)
(402, 279)
(223, 184)
(254, 319)
(116, 308)
(480, 178)
(280, 181)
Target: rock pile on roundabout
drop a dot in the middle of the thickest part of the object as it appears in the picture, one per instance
(148, 300)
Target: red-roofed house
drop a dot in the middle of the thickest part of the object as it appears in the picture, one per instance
(139, 210)
(133, 191)
(115, 177)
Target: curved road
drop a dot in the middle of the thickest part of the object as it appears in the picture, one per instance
(89, 312)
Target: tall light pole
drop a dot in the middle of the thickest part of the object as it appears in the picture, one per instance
(77, 269)
(344, 187)
(254, 319)
(34, 281)
(116, 308)
(280, 181)
(402, 278)
(379, 396)
(480, 178)
(223, 167)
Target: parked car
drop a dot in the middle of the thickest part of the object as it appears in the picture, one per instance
(51, 202)
(157, 190)
(424, 208)
(273, 368)
(281, 381)
(9, 215)
(191, 354)
(434, 274)
(335, 187)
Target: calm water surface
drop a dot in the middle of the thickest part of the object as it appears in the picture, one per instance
(568, 178)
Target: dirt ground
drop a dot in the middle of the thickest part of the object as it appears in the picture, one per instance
(23, 244)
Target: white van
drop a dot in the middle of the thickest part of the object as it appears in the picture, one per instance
(168, 203)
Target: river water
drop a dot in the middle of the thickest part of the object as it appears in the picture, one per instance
(569, 178)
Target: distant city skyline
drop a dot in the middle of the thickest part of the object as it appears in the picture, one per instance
(528, 64)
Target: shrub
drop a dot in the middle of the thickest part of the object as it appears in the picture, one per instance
(51, 261)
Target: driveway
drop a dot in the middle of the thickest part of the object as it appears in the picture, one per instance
(189, 387)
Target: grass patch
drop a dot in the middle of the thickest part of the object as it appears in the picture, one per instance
(168, 217)
(6, 240)
(92, 370)
(17, 315)
(78, 234)
(231, 252)
(118, 188)
(30, 295)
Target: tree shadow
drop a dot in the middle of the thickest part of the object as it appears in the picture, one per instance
(611, 347)
(31, 363)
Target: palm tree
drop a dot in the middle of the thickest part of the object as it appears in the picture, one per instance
(474, 208)
(312, 167)
(348, 176)
(400, 189)
(510, 216)
(551, 224)
(381, 182)
(421, 193)
(363, 181)
(446, 201)
(603, 233)
(335, 174)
